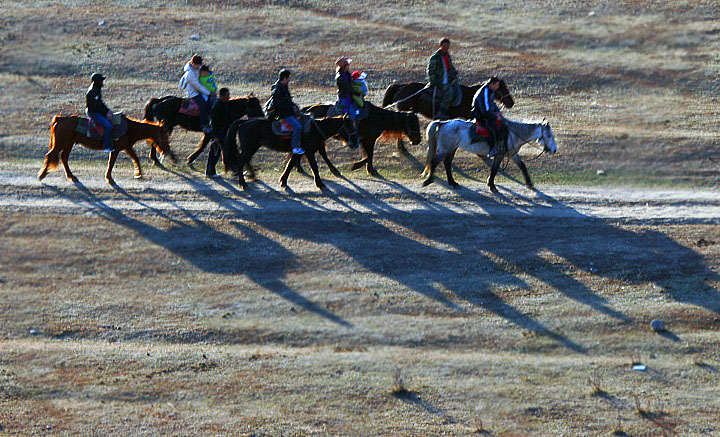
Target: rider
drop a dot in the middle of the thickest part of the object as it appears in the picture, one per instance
(343, 80)
(442, 75)
(194, 90)
(98, 111)
(281, 106)
(220, 120)
(207, 79)
(487, 114)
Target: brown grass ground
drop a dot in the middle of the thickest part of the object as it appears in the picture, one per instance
(269, 322)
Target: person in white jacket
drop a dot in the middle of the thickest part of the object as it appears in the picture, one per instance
(190, 82)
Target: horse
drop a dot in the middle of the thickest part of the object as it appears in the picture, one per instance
(407, 97)
(166, 109)
(379, 122)
(257, 132)
(63, 137)
(445, 137)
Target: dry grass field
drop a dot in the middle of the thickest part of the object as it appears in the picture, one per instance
(177, 305)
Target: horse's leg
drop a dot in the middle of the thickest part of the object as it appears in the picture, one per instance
(448, 170)
(315, 171)
(193, 156)
(111, 164)
(526, 175)
(370, 150)
(244, 161)
(51, 158)
(400, 146)
(298, 166)
(493, 171)
(286, 173)
(64, 155)
(138, 170)
(333, 169)
(431, 171)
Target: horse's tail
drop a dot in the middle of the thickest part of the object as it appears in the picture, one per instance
(232, 155)
(52, 157)
(432, 145)
(390, 93)
(149, 113)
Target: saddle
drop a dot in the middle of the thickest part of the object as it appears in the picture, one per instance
(189, 107)
(90, 129)
(284, 130)
(479, 133)
(426, 96)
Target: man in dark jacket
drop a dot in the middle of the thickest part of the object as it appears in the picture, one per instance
(98, 111)
(220, 120)
(281, 106)
(487, 114)
(443, 76)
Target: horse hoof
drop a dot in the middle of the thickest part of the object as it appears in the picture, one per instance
(356, 165)
(493, 189)
(427, 182)
(138, 176)
(320, 187)
(373, 173)
(72, 178)
(530, 186)
(455, 186)
(191, 159)
(242, 186)
(110, 181)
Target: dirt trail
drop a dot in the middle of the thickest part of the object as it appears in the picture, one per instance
(181, 193)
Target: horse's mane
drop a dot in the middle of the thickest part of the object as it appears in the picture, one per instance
(245, 97)
(154, 123)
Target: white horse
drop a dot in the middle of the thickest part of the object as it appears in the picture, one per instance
(445, 137)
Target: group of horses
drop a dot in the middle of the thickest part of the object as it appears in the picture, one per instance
(250, 130)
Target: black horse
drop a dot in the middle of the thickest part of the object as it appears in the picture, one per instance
(167, 110)
(413, 96)
(257, 132)
(379, 122)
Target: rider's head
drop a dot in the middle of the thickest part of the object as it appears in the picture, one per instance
(284, 76)
(343, 63)
(494, 83)
(444, 45)
(224, 94)
(97, 79)
(204, 70)
(196, 61)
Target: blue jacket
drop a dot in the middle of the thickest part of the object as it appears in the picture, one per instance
(484, 106)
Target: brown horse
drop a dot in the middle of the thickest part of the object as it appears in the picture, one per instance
(413, 96)
(63, 137)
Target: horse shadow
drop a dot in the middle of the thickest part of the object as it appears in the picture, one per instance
(206, 247)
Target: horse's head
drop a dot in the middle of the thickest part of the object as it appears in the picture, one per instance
(547, 137)
(412, 128)
(253, 108)
(503, 94)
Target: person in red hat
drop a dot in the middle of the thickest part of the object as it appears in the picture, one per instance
(359, 88)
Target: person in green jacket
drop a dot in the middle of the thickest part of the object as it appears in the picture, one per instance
(443, 76)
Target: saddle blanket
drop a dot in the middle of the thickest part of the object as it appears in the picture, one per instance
(189, 107)
(284, 130)
(90, 129)
(479, 133)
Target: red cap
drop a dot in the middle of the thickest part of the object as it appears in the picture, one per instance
(356, 74)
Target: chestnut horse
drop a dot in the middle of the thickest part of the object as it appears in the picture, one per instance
(378, 122)
(257, 132)
(167, 110)
(63, 137)
(407, 98)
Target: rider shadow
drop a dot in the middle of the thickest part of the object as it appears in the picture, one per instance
(211, 250)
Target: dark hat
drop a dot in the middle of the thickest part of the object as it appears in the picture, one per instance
(97, 77)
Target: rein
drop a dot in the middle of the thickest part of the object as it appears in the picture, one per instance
(406, 98)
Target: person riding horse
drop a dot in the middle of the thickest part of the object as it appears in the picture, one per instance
(280, 106)
(443, 76)
(343, 80)
(98, 111)
(488, 115)
(190, 83)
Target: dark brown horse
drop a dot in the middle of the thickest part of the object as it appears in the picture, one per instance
(167, 110)
(257, 132)
(412, 96)
(378, 122)
(63, 137)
